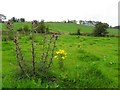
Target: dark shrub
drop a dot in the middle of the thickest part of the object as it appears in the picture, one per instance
(78, 32)
(26, 28)
(20, 30)
(41, 27)
(100, 29)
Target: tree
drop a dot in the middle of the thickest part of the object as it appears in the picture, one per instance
(13, 19)
(22, 19)
(90, 22)
(2, 17)
(80, 21)
(68, 21)
(74, 21)
(100, 29)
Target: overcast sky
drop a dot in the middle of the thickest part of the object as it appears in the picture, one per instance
(59, 10)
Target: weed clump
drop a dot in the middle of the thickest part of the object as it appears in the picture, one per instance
(45, 60)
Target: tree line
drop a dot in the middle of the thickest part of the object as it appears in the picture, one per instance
(13, 19)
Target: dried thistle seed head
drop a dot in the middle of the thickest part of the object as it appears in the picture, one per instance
(56, 37)
(53, 35)
(15, 39)
(8, 23)
(34, 22)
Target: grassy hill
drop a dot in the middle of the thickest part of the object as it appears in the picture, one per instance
(64, 27)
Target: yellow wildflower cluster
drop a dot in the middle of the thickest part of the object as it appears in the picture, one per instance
(61, 54)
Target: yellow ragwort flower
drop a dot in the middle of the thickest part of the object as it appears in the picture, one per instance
(63, 57)
(55, 57)
(57, 52)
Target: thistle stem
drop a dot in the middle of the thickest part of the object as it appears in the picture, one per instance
(33, 53)
(48, 50)
(52, 53)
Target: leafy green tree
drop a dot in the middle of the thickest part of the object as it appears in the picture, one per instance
(22, 19)
(42, 28)
(80, 22)
(13, 19)
(100, 29)
(2, 17)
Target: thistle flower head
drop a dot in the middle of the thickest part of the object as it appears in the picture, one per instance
(8, 23)
(34, 22)
(56, 37)
(53, 35)
(15, 39)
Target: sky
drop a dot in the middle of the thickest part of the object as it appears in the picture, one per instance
(59, 10)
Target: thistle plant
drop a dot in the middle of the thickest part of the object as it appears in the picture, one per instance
(45, 61)
(34, 26)
(52, 54)
(46, 57)
(9, 25)
(9, 33)
(32, 51)
(43, 49)
(18, 53)
(60, 56)
(47, 52)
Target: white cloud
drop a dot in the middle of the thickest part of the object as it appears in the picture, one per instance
(101, 10)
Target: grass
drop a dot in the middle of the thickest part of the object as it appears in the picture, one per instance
(92, 62)
(79, 61)
(63, 27)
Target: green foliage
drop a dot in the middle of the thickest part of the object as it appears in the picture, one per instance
(13, 19)
(100, 29)
(7, 35)
(42, 28)
(78, 32)
(22, 19)
(24, 29)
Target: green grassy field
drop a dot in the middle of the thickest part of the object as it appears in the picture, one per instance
(91, 62)
(63, 27)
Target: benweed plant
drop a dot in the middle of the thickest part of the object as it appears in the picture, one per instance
(60, 56)
(46, 58)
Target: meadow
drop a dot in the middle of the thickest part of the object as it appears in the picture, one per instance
(91, 62)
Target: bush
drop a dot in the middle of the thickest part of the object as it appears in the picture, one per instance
(78, 32)
(41, 28)
(26, 28)
(100, 29)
